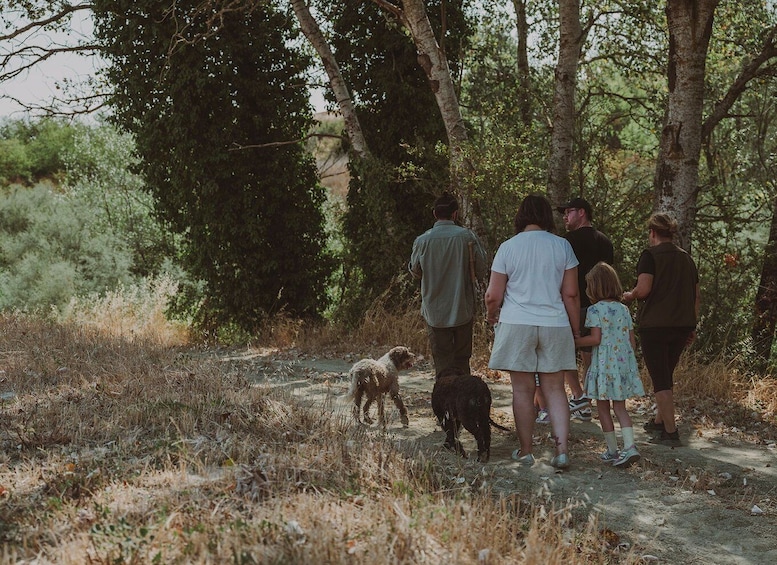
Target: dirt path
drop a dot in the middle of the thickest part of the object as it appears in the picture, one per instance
(695, 504)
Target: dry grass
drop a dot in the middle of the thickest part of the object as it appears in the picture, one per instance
(124, 449)
(123, 444)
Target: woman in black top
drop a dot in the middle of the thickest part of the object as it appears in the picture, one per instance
(668, 285)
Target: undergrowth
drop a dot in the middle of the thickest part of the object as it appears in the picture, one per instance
(124, 442)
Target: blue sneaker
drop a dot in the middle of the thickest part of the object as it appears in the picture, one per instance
(609, 456)
(628, 457)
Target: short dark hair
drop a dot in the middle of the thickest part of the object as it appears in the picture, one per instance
(534, 209)
(445, 205)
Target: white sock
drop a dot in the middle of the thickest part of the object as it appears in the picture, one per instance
(628, 437)
(612, 442)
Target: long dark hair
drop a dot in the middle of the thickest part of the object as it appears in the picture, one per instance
(534, 209)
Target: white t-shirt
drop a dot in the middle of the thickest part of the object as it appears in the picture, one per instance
(534, 262)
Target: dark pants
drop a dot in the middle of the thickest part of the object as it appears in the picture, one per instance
(451, 347)
(661, 350)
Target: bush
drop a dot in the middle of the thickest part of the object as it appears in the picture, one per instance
(51, 250)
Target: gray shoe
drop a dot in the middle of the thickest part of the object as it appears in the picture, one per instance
(560, 461)
(523, 460)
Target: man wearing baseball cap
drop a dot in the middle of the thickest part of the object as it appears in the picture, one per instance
(590, 247)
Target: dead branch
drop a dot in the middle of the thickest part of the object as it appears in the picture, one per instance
(238, 147)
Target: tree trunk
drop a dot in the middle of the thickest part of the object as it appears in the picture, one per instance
(765, 322)
(562, 137)
(313, 34)
(434, 63)
(522, 67)
(676, 182)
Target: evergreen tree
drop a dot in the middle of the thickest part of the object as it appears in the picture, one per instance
(196, 85)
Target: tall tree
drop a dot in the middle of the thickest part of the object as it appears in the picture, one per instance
(571, 38)
(765, 315)
(522, 61)
(213, 97)
(313, 33)
(433, 60)
(676, 181)
(389, 195)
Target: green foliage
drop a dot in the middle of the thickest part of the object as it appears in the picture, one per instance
(51, 250)
(36, 146)
(100, 171)
(250, 218)
(15, 162)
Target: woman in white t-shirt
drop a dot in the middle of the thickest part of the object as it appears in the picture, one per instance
(532, 299)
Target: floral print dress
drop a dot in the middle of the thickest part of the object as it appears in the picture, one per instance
(613, 374)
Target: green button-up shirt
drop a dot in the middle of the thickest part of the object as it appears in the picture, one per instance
(441, 259)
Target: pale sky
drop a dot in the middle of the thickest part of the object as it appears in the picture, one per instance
(38, 86)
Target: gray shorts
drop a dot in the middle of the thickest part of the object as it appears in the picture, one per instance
(532, 349)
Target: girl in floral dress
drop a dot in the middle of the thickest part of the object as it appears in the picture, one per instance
(613, 375)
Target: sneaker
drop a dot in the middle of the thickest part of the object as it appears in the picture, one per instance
(523, 460)
(576, 404)
(584, 415)
(666, 438)
(651, 426)
(628, 457)
(543, 417)
(609, 456)
(560, 461)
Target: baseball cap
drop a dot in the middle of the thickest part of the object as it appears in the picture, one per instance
(576, 203)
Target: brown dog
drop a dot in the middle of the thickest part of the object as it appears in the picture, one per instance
(375, 378)
(460, 399)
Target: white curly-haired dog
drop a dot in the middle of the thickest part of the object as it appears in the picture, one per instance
(374, 378)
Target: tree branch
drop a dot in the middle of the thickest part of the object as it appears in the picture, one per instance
(38, 54)
(389, 7)
(43, 23)
(238, 147)
(751, 70)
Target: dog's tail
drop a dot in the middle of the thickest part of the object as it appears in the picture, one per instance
(498, 426)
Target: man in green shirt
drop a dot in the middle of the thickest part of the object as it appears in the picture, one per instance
(445, 258)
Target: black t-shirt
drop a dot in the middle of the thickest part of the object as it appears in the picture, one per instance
(590, 247)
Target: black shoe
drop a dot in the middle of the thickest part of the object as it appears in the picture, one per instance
(652, 427)
(666, 438)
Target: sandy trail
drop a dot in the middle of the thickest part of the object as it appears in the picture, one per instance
(695, 504)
